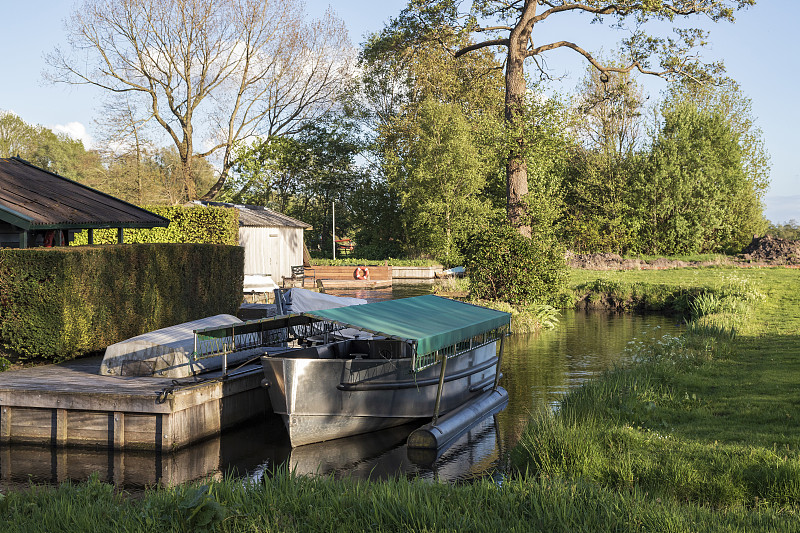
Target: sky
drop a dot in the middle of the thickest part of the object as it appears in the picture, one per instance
(759, 51)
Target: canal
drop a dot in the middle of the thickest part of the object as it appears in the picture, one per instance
(538, 369)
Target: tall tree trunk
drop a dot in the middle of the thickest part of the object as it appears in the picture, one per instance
(516, 168)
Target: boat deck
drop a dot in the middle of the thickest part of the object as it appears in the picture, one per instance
(71, 404)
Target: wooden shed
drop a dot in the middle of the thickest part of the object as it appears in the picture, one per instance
(272, 241)
(40, 208)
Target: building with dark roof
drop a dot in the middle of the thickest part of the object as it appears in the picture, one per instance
(272, 241)
(39, 207)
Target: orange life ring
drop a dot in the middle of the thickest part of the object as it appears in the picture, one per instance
(361, 273)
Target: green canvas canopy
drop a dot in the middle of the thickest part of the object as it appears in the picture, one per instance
(431, 322)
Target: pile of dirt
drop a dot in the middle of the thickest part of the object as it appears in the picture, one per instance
(772, 250)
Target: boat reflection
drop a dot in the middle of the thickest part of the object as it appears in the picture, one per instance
(383, 455)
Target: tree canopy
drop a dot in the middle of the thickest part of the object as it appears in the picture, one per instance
(208, 74)
(512, 26)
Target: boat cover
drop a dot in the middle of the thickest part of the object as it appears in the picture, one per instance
(166, 352)
(299, 300)
(431, 322)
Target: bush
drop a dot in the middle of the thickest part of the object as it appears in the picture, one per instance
(58, 303)
(188, 224)
(504, 265)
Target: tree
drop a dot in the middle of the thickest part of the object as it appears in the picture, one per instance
(56, 152)
(16, 137)
(515, 32)
(303, 174)
(695, 195)
(441, 179)
(409, 76)
(607, 120)
(211, 73)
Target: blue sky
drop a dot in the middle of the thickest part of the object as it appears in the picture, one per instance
(759, 51)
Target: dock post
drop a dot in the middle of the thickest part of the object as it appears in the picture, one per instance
(119, 430)
(61, 427)
(5, 424)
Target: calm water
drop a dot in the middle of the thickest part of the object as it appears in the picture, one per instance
(537, 370)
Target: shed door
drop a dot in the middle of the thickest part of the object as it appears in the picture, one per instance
(273, 255)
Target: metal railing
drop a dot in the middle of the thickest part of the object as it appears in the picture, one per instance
(421, 362)
(222, 341)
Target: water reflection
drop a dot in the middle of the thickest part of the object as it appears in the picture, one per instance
(537, 371)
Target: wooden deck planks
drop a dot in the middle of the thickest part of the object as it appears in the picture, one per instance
(70, 404)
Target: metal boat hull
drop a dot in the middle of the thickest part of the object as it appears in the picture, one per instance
(324, 399)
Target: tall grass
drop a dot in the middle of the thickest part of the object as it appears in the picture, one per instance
(285, 502)
(624, 430)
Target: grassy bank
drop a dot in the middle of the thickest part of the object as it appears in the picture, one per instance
(709, 418)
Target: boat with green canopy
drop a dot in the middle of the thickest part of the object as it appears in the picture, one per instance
(361, 368)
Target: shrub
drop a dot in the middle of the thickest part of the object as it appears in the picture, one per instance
(188, 224)
(58, 303)
(504, 265)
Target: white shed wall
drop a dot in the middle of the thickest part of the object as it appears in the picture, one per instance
(271, 251)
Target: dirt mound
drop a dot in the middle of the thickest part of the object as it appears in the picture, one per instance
(772, 250)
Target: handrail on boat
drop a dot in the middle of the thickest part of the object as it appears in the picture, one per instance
(366, 385)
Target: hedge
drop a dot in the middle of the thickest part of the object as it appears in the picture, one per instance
(58, 303)
(188, 224)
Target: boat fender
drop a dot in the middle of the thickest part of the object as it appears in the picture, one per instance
(361, 273)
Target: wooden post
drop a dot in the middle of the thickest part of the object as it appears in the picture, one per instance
(5, 424)
(120, 236)
(119, 430)
(5, 463)
(23, 239)
(91, 236)
(61, 427)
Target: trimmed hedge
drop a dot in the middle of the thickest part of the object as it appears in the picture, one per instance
(58, 303)
(188, 224)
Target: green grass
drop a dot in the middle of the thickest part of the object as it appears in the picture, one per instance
(709, 418)
(285, 502)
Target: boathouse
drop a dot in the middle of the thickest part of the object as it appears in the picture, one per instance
(40, 208)
(272, 241)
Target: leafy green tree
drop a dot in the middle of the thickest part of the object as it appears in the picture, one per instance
(56, 152)
(303, 175)
(440, 175)
(409, 76)
(726, 98)
(788, 230)
(607, 119)
(694, 195)
(514, 30)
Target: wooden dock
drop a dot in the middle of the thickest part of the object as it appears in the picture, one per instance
(70, 404)
(355, 284)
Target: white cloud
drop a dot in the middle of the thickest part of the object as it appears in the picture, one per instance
(76, 130)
